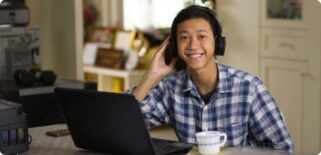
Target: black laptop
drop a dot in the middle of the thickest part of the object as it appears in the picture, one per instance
(111, 123)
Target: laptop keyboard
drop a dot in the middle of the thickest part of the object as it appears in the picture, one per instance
(167, 147)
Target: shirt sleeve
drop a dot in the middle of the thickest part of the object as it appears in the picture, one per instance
(267, 123)
(155, 106)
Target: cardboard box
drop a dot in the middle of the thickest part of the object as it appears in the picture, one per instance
(19, 49)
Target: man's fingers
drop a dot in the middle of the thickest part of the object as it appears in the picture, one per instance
(164, 44)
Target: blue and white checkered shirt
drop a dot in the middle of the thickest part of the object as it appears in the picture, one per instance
(240, 106)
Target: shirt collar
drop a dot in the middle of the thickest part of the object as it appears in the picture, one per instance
(224, 85)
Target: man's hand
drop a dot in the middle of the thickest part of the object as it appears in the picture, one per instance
(158, 66)
(157, 70)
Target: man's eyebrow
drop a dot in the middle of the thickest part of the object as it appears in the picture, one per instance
(200, 30)
(183, 31)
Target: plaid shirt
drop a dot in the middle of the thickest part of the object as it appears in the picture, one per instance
(240, 106)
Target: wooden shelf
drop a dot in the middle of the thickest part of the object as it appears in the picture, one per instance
(106, 77)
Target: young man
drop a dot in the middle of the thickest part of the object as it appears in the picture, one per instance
(208, 95)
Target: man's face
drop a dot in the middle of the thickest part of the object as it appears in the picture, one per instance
(195, 43)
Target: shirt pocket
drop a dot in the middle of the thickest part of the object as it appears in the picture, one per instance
(236, 132)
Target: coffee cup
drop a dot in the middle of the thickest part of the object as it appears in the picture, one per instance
(210, 142)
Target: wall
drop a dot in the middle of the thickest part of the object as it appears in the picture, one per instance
(60, 23)
(311, 143)
(240, 21)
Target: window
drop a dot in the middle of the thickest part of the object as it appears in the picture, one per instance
(143, 14)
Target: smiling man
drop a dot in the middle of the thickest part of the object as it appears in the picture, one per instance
(207, 95)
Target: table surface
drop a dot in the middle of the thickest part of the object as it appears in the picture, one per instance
(43, 144)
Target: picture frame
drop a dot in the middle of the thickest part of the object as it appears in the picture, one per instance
(110, 58)
(124, 39)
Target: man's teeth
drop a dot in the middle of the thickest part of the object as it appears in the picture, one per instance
(195, 55)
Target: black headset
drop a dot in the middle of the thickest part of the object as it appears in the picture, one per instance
(29, 78)
(191, 12)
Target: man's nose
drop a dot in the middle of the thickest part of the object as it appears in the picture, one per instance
(193, 43)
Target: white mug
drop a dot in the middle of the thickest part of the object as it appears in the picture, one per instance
(210, 142)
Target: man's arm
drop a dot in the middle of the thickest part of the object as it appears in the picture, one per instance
(267, 122)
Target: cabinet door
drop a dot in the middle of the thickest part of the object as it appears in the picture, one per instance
(283, 13)
(285, 81)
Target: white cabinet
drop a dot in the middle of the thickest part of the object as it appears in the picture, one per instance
(114, 80)
(286, 67)
(285, 81)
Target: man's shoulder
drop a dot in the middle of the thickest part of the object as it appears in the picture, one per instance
(174, 79)
(238, 75)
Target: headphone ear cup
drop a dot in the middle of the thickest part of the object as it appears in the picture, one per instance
(48, 78)
(173, 47)
(220, 46)
(170, 51)
(24, 78)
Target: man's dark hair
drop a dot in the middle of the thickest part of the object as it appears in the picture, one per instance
(195, 11)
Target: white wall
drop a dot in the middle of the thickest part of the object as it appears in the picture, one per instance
(240, 19)
(60, 23)
(312, 107)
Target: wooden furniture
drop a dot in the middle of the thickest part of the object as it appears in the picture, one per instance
(114, 80)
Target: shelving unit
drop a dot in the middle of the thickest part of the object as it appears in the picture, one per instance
(111, 79)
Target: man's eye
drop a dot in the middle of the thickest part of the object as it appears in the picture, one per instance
(203, 36)
(184, 37)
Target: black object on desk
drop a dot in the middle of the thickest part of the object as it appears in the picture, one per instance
(39, 101)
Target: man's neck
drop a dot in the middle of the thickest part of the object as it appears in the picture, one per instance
(205, 79)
